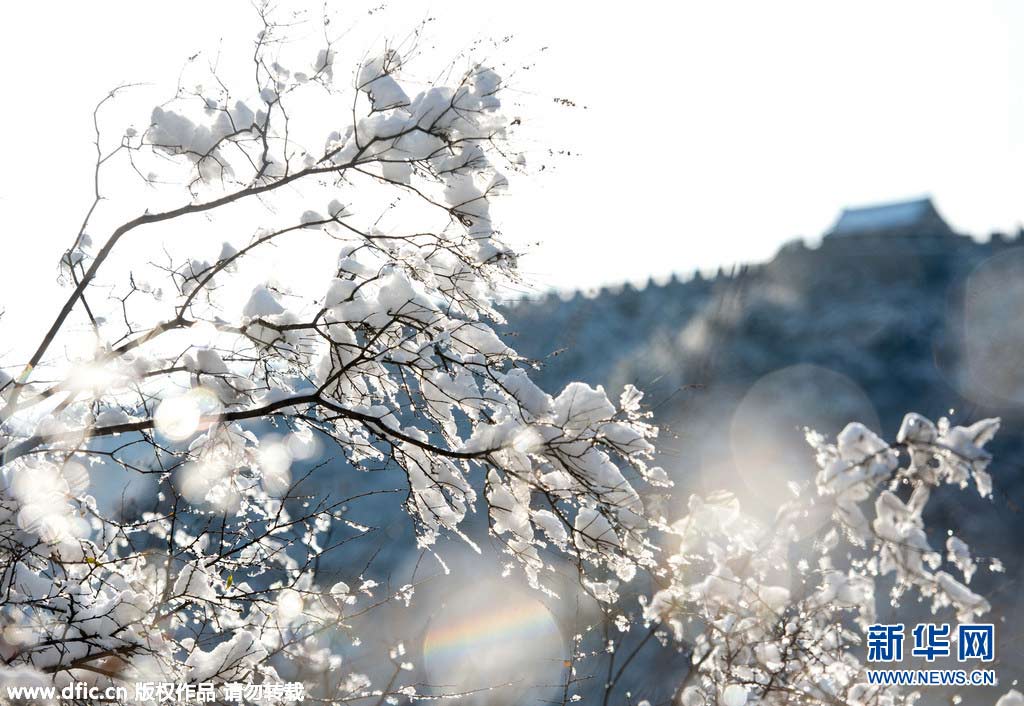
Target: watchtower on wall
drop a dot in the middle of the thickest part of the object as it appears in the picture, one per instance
(914, 218)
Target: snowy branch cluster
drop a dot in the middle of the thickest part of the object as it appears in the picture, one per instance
(758, 626)
(209, 380)
(215, 576)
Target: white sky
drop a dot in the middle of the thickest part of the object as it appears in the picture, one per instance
(713, 132)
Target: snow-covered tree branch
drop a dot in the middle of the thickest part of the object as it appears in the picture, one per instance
(298, 274)
(394, 359)
(755, 627)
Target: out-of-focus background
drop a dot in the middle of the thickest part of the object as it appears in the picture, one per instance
(765, 215)
(892, 312)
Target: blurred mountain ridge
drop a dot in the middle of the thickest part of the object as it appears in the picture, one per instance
(866, 326)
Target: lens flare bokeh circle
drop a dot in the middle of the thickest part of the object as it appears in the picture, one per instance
(492, 634)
